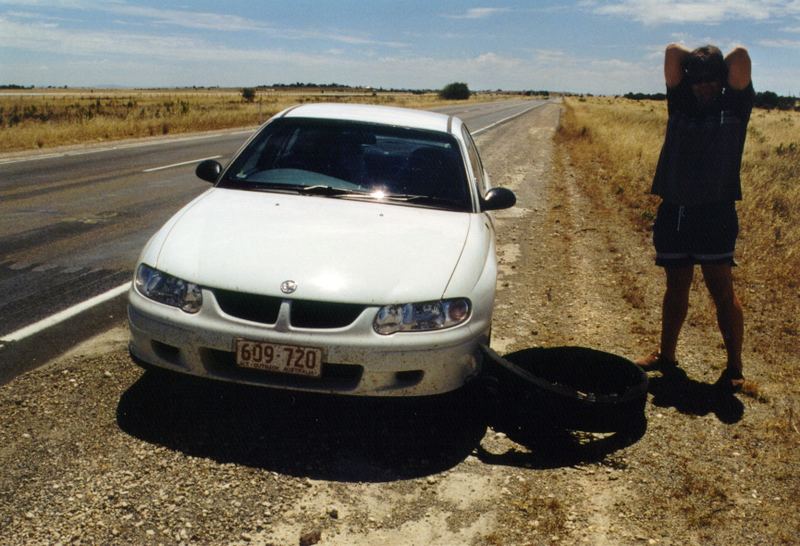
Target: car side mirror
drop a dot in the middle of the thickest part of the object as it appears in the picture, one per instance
(498, 198)
(208, 170)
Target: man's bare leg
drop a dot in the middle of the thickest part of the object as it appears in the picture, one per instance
(719, 280)
(674, 308)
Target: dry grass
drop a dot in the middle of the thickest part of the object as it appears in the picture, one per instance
(42, 119)
(616, 143)
(771, 212)
(690, 486)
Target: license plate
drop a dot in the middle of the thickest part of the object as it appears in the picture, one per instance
(275, 357)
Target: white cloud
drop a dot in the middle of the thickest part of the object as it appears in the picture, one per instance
(790, 44)
(118, 45)
(233, 23)
(346, 39)
(128, 14)
(547, 69)
(496, 61)
(35, 16)
(179, 18)
(478, 13)
(548, 56)
(615, 65)
(655, 12)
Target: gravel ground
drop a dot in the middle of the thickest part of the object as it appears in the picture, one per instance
(95, 451)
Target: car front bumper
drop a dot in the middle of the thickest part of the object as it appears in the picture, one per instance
(356, 360)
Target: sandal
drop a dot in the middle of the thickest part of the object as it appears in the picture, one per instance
(731, 380)
(654, 361)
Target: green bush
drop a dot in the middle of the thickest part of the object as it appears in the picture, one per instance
(455, 91)
(249, 94)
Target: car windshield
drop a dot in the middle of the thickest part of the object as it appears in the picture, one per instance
(354, 160)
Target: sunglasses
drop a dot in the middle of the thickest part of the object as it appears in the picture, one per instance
(697, 79)
(700, 71)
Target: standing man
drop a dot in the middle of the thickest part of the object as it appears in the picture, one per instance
(709, 99)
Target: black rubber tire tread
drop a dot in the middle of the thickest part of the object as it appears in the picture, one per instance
(570, 387)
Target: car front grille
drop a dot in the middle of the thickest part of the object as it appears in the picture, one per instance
(262, 309)
(302, 314)
(318, 314)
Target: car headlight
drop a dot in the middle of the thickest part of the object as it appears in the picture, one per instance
(169, 290)
(420, 317)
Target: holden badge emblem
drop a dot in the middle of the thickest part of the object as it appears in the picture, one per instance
(287, 287)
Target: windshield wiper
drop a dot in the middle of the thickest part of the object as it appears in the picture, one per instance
(425, 200)
(320, 189)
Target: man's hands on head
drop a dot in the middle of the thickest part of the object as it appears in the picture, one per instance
(738, 62)
(674, 58)
(739, 68)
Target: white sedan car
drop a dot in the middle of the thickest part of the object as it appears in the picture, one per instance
(345, 249)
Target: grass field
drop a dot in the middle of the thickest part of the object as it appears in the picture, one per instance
(614, 144)
(35, 119)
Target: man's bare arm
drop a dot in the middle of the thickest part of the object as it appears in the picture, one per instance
(673, 64)
(739, 68)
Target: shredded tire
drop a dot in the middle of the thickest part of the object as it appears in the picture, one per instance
(569, 387)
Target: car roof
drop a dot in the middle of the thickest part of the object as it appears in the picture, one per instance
(370, 113)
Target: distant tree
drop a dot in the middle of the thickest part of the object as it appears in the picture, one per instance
(766, 99)
(645, 96)
(249, 94)
(455, 91)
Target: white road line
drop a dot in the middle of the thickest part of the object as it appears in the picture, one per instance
(506, 119)
(66, 314)
(179, 164)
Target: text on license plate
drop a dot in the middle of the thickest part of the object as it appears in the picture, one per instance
(275, 357)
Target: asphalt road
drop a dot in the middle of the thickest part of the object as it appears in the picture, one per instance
(72, 225)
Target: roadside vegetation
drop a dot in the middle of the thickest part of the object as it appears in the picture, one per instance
(455, 91)
(614, 144)
(34, 119)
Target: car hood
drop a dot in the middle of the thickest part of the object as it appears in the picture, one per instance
(334, 249)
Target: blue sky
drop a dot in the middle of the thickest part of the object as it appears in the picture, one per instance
(581, 46)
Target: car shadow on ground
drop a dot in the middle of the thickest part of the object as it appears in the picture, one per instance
(675, 389)
(346, 438)
(300, 434)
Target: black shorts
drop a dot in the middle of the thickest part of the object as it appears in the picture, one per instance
(701, 234)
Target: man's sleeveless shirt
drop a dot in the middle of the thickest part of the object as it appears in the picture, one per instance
(702, 151)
